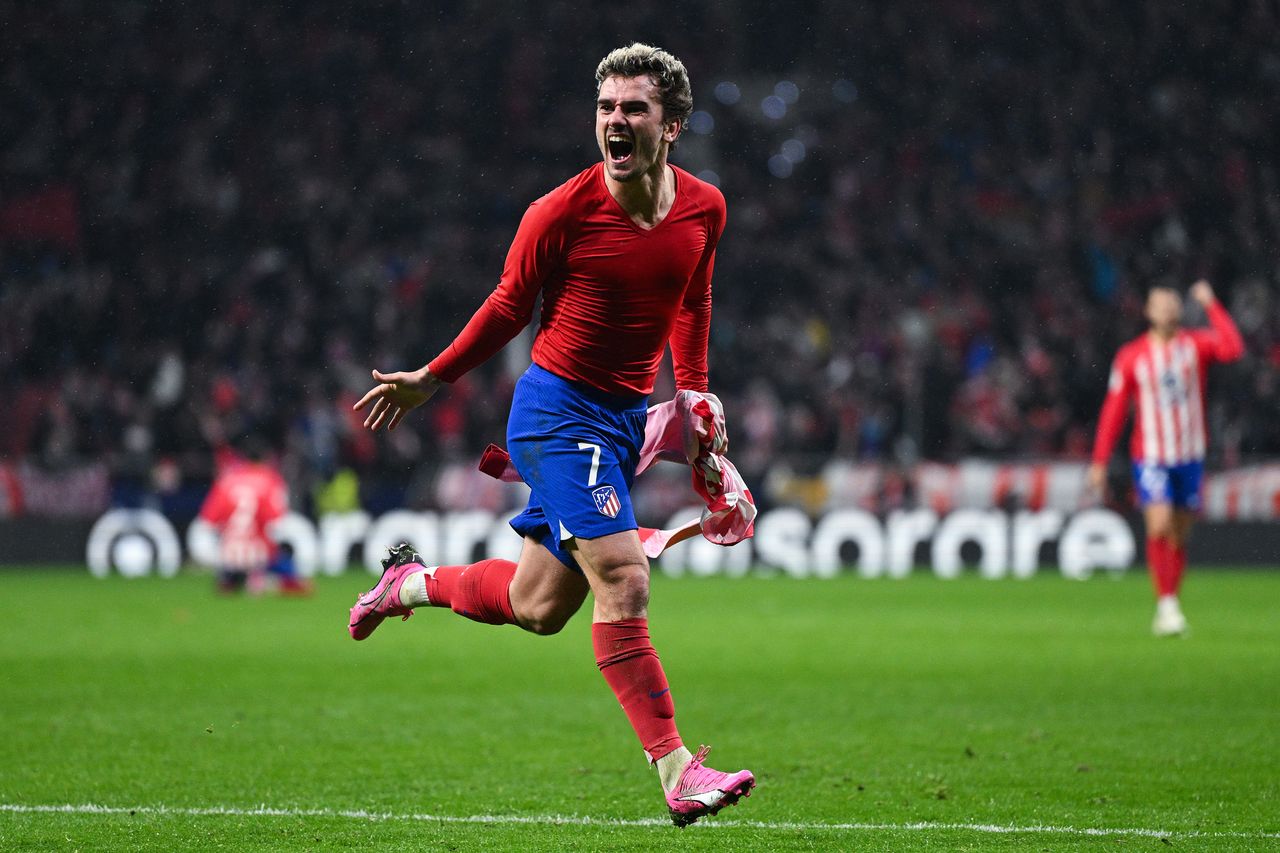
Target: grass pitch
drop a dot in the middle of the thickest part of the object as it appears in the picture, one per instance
(878, 715)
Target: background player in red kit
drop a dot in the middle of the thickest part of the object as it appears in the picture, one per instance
(1165, 371)
(247, 496)
(622, 255)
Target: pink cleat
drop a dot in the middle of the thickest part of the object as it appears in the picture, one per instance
(702, 791)
(384, 599)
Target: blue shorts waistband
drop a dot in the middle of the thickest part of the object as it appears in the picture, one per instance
(615, 402)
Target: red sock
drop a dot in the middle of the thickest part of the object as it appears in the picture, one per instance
(481, 591)
(1177, 565)
(1158, 564)
(629, 663)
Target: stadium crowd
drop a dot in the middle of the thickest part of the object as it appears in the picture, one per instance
(942, 217)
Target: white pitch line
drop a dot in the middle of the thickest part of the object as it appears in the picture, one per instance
(572, 820)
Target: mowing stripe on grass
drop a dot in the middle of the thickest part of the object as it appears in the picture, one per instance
(572, 820)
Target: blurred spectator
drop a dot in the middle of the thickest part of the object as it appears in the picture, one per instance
(217, 217)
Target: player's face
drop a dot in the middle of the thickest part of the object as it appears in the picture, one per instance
(1164, 308)
(629, 127)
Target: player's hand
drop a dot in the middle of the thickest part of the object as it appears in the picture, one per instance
(1098, 478)
(1202, 292)
(395, 395)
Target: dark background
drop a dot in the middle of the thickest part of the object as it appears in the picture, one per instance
(942, 219)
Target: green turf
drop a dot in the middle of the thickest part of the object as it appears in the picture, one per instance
(857, 702)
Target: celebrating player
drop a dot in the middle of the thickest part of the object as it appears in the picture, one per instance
(1165, 369)
(622, 254)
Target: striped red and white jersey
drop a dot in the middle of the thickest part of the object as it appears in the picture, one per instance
(1166, 379)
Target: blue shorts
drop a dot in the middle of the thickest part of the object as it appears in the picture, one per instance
(1178, 485)
(577, 449)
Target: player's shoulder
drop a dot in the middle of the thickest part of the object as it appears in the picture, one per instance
(561, 210)
(1131, 350)
(702, 193)
(583, 191)
(1194, 336)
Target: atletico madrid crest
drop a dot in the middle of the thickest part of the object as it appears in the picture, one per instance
(607, 501)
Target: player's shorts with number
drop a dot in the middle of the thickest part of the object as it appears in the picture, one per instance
(1178, 485)
(577, 448)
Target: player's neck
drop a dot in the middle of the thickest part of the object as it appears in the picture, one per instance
(648, 198)
(1164, 335)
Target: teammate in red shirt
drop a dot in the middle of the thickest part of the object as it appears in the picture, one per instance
(248, 495)
(1164, 370)
(622, 255)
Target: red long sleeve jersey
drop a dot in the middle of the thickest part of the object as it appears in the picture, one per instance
(613, 294)
(1168, 380)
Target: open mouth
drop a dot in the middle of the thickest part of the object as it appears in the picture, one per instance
(620, 148)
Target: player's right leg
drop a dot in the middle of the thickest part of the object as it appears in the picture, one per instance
(538, 593)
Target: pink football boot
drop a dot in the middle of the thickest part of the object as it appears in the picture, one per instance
(702, 791)
(384, 599)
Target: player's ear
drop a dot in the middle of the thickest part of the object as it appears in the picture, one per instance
(671, 130)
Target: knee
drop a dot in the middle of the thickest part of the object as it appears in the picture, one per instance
(544, 628)
(543, 621)
(1160, 527)
(543, 615)
(625, 588)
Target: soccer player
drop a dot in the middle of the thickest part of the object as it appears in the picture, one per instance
(1165, 370)
(622, 255)
(247, 496)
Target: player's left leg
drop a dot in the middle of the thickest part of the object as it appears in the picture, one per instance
(1170, 620)
(618, 571)
(1160, 529)
(1183, 520)
(539, 593)
(1158, 494)
(1186, 483)
(1184, 496)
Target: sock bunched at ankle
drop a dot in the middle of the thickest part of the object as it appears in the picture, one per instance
(630, 665)
(481, 592)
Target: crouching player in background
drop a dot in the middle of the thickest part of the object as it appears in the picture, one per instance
(1165, 370)
(247, 496)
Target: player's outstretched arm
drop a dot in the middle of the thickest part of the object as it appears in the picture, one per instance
(395, 395)
(1223, 342)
